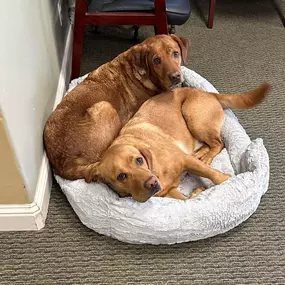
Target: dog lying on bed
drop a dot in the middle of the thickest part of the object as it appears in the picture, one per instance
(162, 141)
(89, 118)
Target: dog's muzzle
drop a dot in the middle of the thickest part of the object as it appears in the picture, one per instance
(152, 185)
(176, 79)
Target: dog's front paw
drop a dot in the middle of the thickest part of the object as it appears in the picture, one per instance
(221, 177)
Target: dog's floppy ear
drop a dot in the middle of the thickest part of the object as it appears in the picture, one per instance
(139, 55)
(92, 173)
(184, 46)
(147, 154)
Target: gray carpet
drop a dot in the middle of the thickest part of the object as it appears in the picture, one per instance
(245, 47)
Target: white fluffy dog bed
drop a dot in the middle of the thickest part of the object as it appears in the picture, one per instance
(168, 221)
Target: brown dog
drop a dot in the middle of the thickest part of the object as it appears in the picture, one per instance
(158, 144)
(89, 118)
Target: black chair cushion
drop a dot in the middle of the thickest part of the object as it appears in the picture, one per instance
(178, 11)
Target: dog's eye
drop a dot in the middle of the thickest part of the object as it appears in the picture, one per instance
(176, 54)
(122, 176)
(139, 161)
(156, 60)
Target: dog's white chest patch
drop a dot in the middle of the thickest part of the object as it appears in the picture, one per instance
(189, 149)
(183, 147)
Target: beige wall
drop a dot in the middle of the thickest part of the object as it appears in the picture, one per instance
(31, 52)
(12, 188)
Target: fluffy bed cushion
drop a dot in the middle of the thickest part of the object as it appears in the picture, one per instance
(168, 221)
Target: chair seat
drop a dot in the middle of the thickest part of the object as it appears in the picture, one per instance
(178, 11)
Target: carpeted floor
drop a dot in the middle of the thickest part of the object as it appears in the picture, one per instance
(245, 47)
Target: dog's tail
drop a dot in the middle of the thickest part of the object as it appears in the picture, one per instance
(244, 100)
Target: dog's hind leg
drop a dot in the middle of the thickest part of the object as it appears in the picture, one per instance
(199, 153)
(213, 148)
(204, 117)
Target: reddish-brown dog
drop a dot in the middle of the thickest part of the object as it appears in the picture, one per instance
(161, 142)
(89, 118)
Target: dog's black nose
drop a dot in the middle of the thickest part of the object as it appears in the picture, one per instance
(175, 77)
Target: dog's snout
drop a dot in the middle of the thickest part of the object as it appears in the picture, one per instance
(175, 76)
(151, 183)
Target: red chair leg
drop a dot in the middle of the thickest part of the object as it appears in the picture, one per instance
(211, 13)
(77, 51)
(161, 26)
(78, 38)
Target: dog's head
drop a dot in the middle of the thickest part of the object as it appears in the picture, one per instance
(128, 171)
(159, 59)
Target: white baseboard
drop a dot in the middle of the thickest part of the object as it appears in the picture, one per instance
(32, 216)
